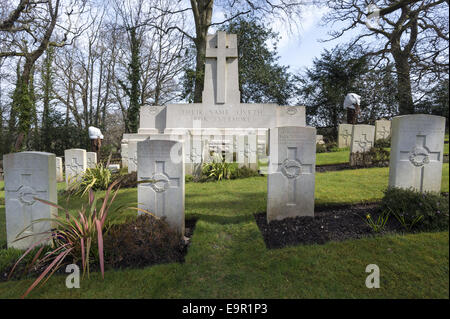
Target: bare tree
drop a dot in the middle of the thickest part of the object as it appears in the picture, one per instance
(27, 32)
(414, 34)
(288, 11)
(149, 57)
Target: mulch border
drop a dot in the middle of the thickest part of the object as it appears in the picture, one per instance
(330, 224)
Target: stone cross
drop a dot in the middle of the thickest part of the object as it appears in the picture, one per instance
(221, 52)
(420, 156)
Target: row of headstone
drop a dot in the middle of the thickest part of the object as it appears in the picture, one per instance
(244, 149)
(77, 160)
(290, 185)
(30, 175)
(416, 162)
(381, 130)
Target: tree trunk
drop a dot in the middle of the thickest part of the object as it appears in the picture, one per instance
(200, 44)
(202, 11)
(405, 100)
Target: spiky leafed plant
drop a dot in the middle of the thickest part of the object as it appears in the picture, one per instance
(218, 168)
(73, 236)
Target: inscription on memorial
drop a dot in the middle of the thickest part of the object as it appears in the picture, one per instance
(222, 114)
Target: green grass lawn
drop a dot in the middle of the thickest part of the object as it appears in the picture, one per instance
(333, 157)
(228, 258)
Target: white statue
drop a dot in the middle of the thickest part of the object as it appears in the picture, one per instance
(351, 100)
(95, 133)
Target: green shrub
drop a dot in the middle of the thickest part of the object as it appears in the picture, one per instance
(415, 210)
(379, 156)
(2, 201)
(128, 180)
(332, 147)
(243, 172)
(218, 169)
(384, 142)
(321, 148)
(189, 178)
(77, 237)
(328, 147)
(144, 241)
(97, 178)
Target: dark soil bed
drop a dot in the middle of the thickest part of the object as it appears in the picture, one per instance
(165, 250)
(329, 224)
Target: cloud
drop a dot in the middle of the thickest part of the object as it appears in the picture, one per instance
(311, 16)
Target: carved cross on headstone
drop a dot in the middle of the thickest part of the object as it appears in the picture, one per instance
(221, 52)
(384, 133)
(160, 183)
(292, 169)
(25, 194)
(420, 156)
(74, 166)
(345, 135)
(364, 143)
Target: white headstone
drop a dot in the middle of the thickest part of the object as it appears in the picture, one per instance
(363, 138)
(345, 135)
(28, 175)
(59, 170)
(91, 158)
(162, 162)
(132, 156)
(291, 179)
(319, 139)
(417, 148)
(382, 129)
(75, 164)
(124, 154)
(114, 168)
